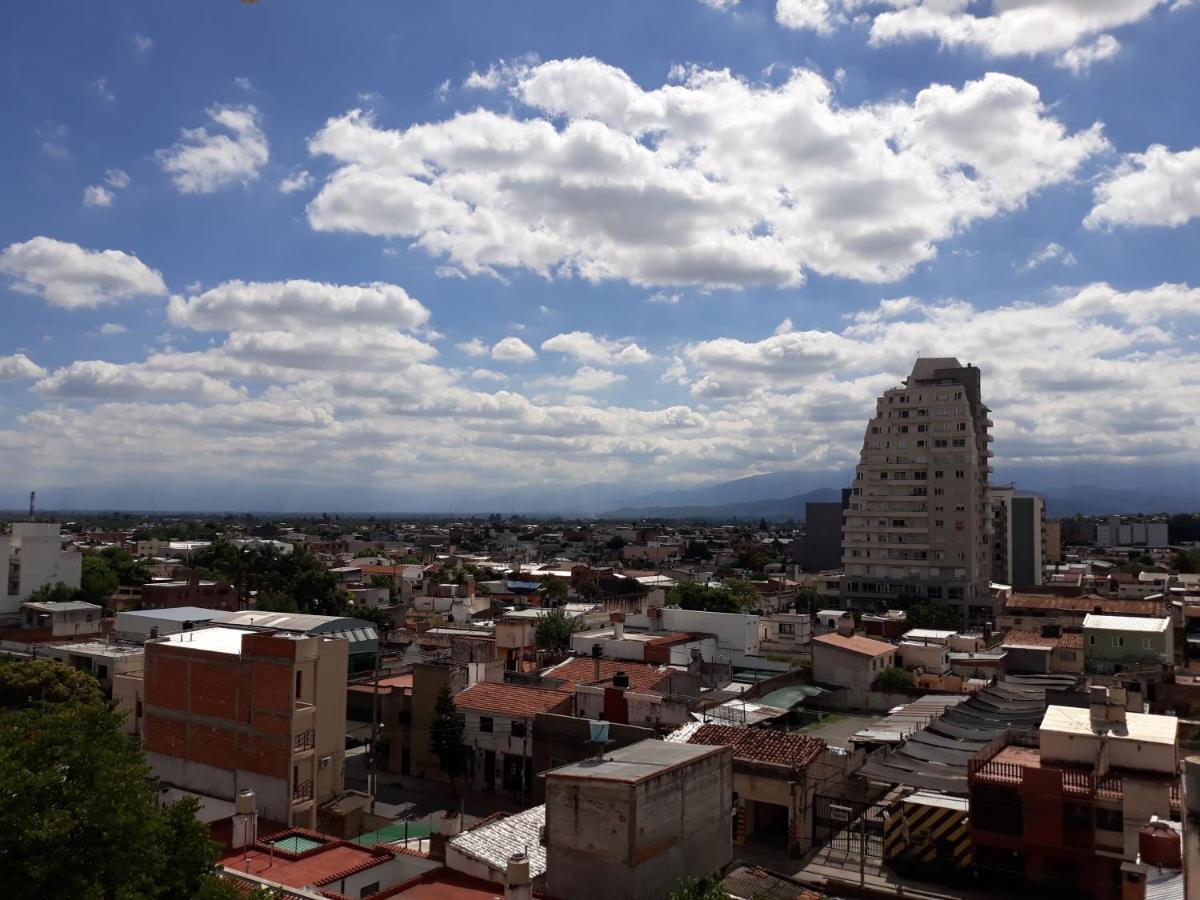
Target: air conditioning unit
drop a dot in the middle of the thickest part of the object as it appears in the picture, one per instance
(325, 761)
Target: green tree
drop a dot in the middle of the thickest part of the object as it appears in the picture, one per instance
(807, 601)
(688, 595)
(706, 888)
(933, 615)
(554, 630)
(616, 542)
(743, 591)
(28, 682)
(754, 559)
(81, 815)
(697, 551)
(446, 738)
(895, 679)
(59, 592)
(98, 581)
(554, 590)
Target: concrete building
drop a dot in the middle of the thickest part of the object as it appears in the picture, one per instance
(62, 618)
(919, 523)
(104, 660)
(1122, 643)
(189, 592)
(559, 740)
(1018, 538)
(1065, 817)
(1046, 652)
(227, 709)
(144, 624)
(31, 557)
(637, 820)
(498, 727)
(1115, 533)
(821, 547)
(852, 662)
(428, 680)
(785, 632)
(358, 633)
(775, 780)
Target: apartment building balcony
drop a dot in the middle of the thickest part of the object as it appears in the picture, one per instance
(302, 794)
(304, 743)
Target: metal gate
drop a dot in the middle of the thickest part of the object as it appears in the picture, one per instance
(848, 826)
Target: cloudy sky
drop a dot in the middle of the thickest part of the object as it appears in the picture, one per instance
(411, 248)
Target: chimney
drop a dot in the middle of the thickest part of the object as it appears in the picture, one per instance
(445, 826)
(470, 581)
(618, 625)
(597, 652)
(845, 625)
(517, 883)
(654, 614)
(621, 680)
(245, 820)
(1115, 708)
(1133, 881)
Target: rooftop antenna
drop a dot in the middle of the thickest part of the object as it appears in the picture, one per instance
(32, 503)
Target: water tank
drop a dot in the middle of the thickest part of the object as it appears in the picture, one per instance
(599, 731)
(1158, 844)
(621, 680)
(244, 805)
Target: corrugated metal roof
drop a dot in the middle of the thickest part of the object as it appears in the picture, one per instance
(1126, 623)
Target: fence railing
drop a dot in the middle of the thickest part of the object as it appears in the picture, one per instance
(305, 740)
(302, 792)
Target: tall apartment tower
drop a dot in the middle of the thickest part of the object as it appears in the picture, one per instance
(919, 523)
(32, 556)
(1018, 538)
(227, 709)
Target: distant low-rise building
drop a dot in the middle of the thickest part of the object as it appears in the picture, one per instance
(63, 618)
(1122, 643)
(32, 557)
(852, 662)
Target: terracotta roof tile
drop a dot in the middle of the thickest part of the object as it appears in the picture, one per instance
(1109, 605)
(582, 670)
(511, 700)
(783, 748)
(855, 644)
(1067, 640)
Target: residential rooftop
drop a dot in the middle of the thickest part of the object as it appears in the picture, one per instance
(512, 700)
(495, 842)
(1126, 623)
(767, 745)
(863, 646)
(635, 763)
(1147, 729)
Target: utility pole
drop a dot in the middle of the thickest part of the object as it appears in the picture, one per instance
(373, 760)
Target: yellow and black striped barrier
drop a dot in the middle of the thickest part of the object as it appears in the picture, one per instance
(928, 828)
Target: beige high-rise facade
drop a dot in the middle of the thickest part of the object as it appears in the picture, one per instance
(919, 522)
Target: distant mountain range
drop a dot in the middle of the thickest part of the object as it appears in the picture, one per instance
(1086, 488)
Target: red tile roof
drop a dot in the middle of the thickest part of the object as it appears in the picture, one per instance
(513, 700)
(783, 748)
(1109, 605)
(322, 865)
(1067, 640)
(582, 670)
(864, 646)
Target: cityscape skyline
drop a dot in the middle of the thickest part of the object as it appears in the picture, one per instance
(705, 258)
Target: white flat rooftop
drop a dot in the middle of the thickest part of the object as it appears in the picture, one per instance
(214, 640)
(1138, 726)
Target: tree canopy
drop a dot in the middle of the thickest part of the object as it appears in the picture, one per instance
(895, 679)
(933, 615)
(81, 814)
(28, 682)
(688, 595)
(554, 630)
(446, 737)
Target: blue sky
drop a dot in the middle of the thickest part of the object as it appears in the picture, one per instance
(638, 243)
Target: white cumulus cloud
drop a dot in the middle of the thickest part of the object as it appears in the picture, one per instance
(297, 181)
(1052, 251)
(714, 182)
(473, 347)
(97, 195)
(1157, 187)
(513, 349)
(19, 367)
(205, 160)
(588, 348)
(69, 276)
(1074, 32)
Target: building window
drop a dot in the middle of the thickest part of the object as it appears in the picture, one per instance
(1146, 645)
(518, 729)
(485, 724)
(368, 889)
(1118, 641)
(299, 680)
(1109, 819)
(1091, 640)
(787, 628)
